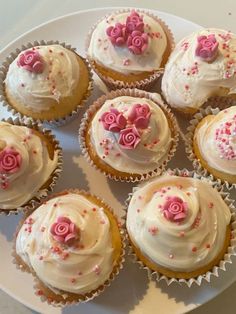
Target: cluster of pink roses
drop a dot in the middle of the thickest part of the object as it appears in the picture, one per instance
(131, 33)
(129, 136)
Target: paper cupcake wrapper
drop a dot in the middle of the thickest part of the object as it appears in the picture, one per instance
(217, 104)
(145, 84)
(87, 296)
(215, 271)
(43, 192)
(134, 93)
(53, 122)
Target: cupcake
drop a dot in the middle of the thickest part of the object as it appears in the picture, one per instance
(129, 135)
(129, 48)
(30, 163)
(202, 65)
(212, 143)
(46, 82)
(179, 227)
(72, 245)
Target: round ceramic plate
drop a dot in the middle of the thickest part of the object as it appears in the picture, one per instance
(131, 292)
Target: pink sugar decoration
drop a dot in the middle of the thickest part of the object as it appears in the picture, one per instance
(207, 48)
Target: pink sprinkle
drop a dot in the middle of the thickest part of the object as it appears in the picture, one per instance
(208, 246)
(194, 249)
(41, 258)
(22, 84)
(126, 62)
(138, 210)
(61, 53)
(42, 229)
(171, 256)
(118, 154)
(182, 234)
(210, 205)
(153, 230)
(65, 255)
(73, 280)
(39, 292)
(85, 211)
(80, 273)
(97, 270)
(186, 87)
(50, 50)
(102, 222)
(94, 209)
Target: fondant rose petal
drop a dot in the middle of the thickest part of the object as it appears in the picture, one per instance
(73, 228)
(141, 122)
(70, 237)
(180, 216)
(120, 119)
(38, 67)
(114, 127)
(59, 239)
(61, 219)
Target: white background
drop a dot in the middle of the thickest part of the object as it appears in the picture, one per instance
(19, 16)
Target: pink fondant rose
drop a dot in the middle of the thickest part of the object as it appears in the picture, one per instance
(31, 61)
(134, 22)
(207, 47)
(140, 116)
(175, 209)
(117, 34)
(10, 160)
(129, 138)
(113, 121)
(64, 231)
(137, 42)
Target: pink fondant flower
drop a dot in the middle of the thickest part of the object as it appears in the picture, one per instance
(137, 42)
(207, 47)
(175, 209)
(129, 138)
(10, 160)
(117, 34)
(134, 22)
(64, 231)
(113, 121)
(140, 116)
(31, 61)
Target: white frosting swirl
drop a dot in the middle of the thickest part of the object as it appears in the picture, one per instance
(41, 91)
(216, 140)
(189, 81)
(185, 246)
(154, 144)
(36, 166)
(102, 51)
(77, 269)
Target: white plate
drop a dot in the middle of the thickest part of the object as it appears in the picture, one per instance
(131, 292)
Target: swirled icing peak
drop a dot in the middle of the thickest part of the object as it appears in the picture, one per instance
(131, 134)
(77, 266)
(25, 165)
(179, 223)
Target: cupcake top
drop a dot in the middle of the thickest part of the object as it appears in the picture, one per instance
(178, 222)
(128, 42)
(131, 134)
(41, 76)
(25, 165)
(199, 67)
(216, 139)
(68, 243)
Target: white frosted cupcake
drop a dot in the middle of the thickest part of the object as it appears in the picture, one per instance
(179, 227)
(129, 48)
(129, 135)
(212, 143)
(72, 245)
(30, 163)
(46, 82)
(202, 65)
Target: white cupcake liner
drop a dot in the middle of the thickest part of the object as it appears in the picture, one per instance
(134, 93)
(145, 84)
(52, 122)
(219, 104)
(215, 272)
(43, 192)
(87, 296)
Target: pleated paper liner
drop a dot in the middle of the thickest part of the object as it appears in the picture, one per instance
(217, 269)
(144, 84)
(66, 298)
(85, 125)
(52, 122)
(52, 180)
(215, 105)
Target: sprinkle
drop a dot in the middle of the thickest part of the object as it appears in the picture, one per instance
(22, 85)
(186, 87)
(65, 255)
(50, 50)
(138, 210)
(208, 246)
(126, 62)
(94, 209)
(194, 249)
(41, 258)
(182, 234)
(42, 229)
(73, 280)
(80, 273)
(39, 292)
(171, 256)
(153, 230)
(102, 221)
(97, 270)
(85, 211)
(210, 205)
(61, 53)
(55, 205)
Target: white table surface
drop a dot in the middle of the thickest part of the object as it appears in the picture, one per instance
(19, 16)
